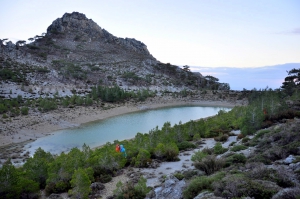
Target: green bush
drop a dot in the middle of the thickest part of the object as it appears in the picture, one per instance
(196, 137)
(129, 190)
(238, 148)
(179, 176)
(171, 152)
(221, 138)
(105, 178)
(246, 139)
(200, 184)
(198, 156)
(143, 158)
(24, 110)
(159, 151)
(185, 145)
(166, 151)
(236, 158)
(190, 174)
(218, 149)
(210, 164)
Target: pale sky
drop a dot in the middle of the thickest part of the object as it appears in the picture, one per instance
(207, 33)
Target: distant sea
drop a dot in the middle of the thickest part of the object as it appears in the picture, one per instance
(249, 78)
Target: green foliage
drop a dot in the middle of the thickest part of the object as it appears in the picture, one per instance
(291, 82)
(60, 171)
(105, 178)
(37, 166)
(129, 190)
(210, 164)
(159, 151)
(198, 156)
(235, 158)
(200, 184)
(218, 149)
(171, 152)
(185, 145)
(24, 110)
(80, 184)
(143, 158)
(245, 140)
(12, 74)
(69, 70)
(13, 183)
(238, 148)
(47, 104)
(179, 176)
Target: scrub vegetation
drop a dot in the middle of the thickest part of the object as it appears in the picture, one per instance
(231, 176)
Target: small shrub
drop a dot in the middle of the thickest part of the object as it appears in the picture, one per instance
(218, 149)
(240, 136)
(179, 176)
(236, 158)
(105, 178)
(199, 184)
(210, 164)
(261, 133)
(246, 139)
(198, 156)
(24, 110)
(196, 137)
(208, 151)
(190, 174)
(143, 158)
(129, 190)
(171, 152)
(221, 138)
(232, 143)
(185, 145)
(238, 148)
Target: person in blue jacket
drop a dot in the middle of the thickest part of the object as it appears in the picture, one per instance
(123, 150)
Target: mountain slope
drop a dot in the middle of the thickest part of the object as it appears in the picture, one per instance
(75, 54)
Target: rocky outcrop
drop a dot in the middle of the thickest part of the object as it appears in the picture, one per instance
(172, 188)
(78, 23)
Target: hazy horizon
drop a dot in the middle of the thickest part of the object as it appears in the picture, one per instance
(249, 78)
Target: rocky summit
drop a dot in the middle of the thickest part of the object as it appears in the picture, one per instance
(75, 54)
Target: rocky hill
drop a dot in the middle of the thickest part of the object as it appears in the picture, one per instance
(75, 53)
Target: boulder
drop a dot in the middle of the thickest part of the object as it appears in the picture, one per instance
(172, 188)
(289, 159)
(97, 186)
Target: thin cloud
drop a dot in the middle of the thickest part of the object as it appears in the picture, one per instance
(296, 31)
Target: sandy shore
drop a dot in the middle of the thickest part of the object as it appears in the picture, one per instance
(16, 132)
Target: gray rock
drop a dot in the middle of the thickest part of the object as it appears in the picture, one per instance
(97, 186)
(206, 195)
(171, 189)
(287, 193)
(54, 196)
(289, 159)
(78, 22)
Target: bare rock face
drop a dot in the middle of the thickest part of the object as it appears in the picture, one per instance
(78, 23)
(171, 189)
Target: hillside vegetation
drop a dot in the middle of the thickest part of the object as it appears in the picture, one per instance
(231, 176)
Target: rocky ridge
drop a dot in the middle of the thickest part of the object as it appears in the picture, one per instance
(75, 54)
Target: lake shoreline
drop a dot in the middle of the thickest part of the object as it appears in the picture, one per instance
(25, 129)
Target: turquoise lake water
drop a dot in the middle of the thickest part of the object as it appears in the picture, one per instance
(119, 128)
